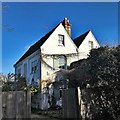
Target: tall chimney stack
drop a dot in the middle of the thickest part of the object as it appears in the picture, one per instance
(67, 25)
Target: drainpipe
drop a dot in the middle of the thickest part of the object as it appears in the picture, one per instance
(65, 62)
(77, 53)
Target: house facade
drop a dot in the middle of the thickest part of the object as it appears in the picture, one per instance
(53, 52)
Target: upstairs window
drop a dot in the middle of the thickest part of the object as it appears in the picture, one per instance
(34, 66)
(25, 69)
(61, 40)
(90, 45)
(19, 71)
(62, 62)
(59, 62)
(55, 62)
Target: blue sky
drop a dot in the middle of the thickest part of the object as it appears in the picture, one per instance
(25, 23)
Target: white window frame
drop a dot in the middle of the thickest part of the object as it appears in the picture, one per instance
(90, 45)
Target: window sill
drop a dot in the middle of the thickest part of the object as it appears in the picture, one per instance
(61, 45)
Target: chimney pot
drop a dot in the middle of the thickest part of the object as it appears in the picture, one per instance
(68, 21)
(67, 25)
(65, 18)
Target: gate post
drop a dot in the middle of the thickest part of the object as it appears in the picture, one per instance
(70, 103)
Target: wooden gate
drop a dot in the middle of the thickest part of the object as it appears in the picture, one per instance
(16, 104)
(71, 108)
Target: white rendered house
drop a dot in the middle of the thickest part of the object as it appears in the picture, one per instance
(54, 51)
(85, 43)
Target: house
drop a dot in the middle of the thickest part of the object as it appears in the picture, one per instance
(53, 52)
(85, 43)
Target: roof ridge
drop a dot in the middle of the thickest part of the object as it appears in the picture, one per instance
(36, 45)
(83, 34)
(78, 40)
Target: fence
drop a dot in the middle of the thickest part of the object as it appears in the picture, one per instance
(16, 104)
(74, 106)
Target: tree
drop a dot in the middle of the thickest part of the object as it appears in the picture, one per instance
(20, 83)
(12, 84)
(104, 89)
(8, 82)
(100, 76)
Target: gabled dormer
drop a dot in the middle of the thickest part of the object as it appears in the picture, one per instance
(85, 43)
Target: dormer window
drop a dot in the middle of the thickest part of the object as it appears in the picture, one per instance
(61, 40)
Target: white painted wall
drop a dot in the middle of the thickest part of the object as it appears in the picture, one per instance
(51, 44)
(84, 47)
(51, 47)
(28, 61)
(46, 70)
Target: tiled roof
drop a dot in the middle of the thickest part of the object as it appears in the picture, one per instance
(36, 46)
(78, 41)
(40, 42)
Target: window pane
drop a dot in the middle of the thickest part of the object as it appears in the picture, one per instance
(25, 69)
(19, 71)
(34, 66)
(60, 40)
(55, 62)
(90, 45)
(61, 60)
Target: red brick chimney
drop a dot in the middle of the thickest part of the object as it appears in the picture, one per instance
(67, 25)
